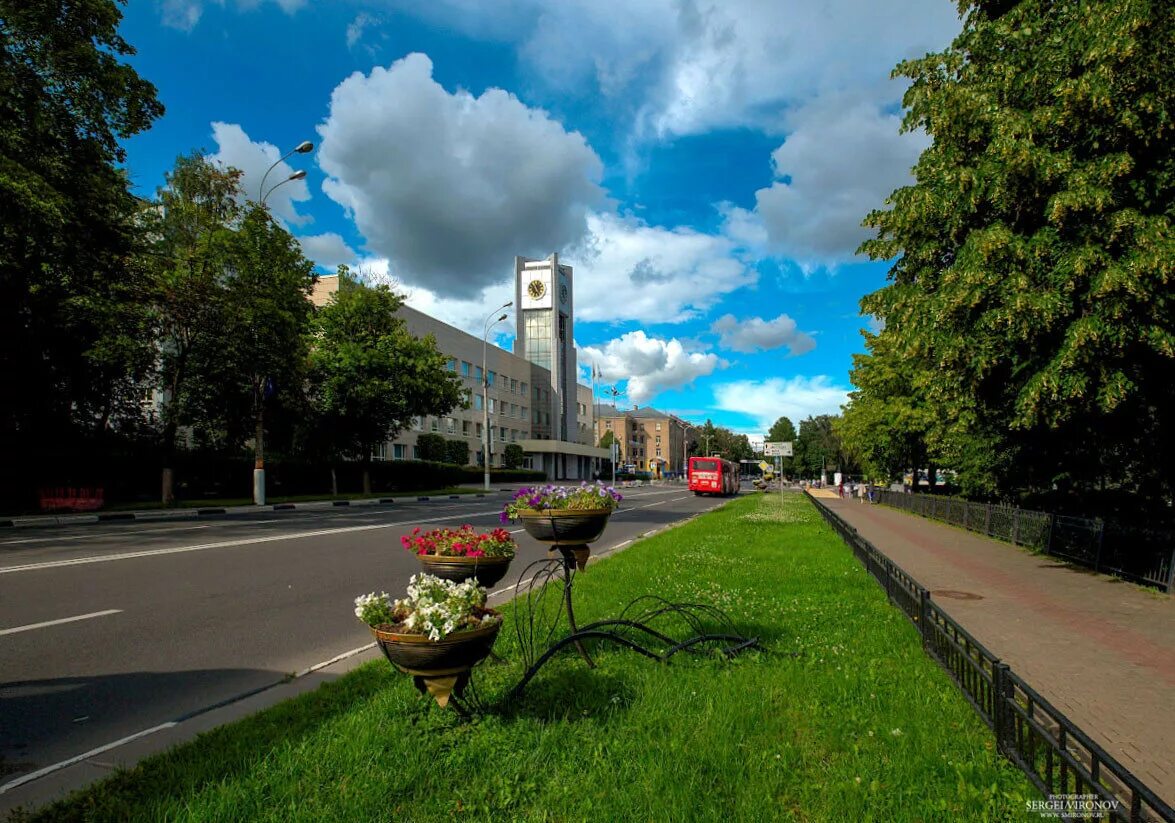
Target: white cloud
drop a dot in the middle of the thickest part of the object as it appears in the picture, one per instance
(757, 334)
(649, 365)
(844, 157)
(448, 186)
(768, 400)
(328, 250)
(356, 27)
(185, 14)
(629, 270)
(234, 148)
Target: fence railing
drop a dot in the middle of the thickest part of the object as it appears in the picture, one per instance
(1057, 756)
(1144, 556)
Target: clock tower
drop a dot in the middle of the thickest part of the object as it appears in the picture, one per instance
(544, 336)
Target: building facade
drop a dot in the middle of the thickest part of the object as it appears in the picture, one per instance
(534, 401)
(650, 440)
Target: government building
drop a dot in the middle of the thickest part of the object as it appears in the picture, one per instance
(535, 399)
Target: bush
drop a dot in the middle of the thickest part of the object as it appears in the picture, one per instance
(474, 474)
(432, 448)
(457, 452)
(513, 456)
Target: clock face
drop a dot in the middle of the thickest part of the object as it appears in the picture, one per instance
(563, 293)
(536, 289)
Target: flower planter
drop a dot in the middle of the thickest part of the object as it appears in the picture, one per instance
(565, 526)
(486, 570)
(457, 653)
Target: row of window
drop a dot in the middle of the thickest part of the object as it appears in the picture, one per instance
(469, 370)
(398, 451)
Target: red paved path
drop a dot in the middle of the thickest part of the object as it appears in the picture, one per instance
(1100, 650)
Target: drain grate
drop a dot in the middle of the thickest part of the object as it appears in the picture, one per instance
(956, 595)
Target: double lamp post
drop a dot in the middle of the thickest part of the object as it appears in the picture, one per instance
(485, 389)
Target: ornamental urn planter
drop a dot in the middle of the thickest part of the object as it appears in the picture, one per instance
(567, 527)
(485, 570)
(439, 667)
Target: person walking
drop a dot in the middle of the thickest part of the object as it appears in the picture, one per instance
(861, 490)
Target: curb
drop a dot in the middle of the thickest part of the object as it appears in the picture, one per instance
(163, 515)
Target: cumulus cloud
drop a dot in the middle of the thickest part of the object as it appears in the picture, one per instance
(234, 148)
(448, 186)
(649, 365)
(629, 270)
(843, 159)
(767, 400)
(328, 250)
(757, 334)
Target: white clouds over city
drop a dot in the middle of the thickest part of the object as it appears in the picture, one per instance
(253, 159)
(765, 401)
(650, 365)
(756, 334)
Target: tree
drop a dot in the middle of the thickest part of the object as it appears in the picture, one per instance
(782, 431)
(70, 335)
(457, 452)
(432, 447)
(607, 440)
(1033, 253)
(513, 456)
(190, 231)
(369, 376)
(818, 448)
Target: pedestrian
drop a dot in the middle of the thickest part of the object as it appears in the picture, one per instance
(861, 492)
(840, 490)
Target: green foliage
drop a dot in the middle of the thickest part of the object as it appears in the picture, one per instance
(819, 448)
(709, 439)
(607, 440)
(782, 431)
(513, 456)
(369, 376)
(1032, 289)
(74, 327)
(432, 447)
(457, 452)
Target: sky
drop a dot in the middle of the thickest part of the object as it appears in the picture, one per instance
(704, 165)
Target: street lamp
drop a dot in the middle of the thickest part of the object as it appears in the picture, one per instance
(259, 447)
(485, 389)
(302, 148)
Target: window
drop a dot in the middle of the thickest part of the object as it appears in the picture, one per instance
(537, 325)
(398, 451)
(491, 378)
(416, 452)
(433, 424)
(607, 424)
(524, 413)
(478, 429)
(502, 432)
(658, 429)
(451, 364)
(466, 428)
(522, 389)
(450, 425)
(477, 402)
(658, 439)
(658, 451)
(417, 424)
(513, 386)
(466, 368)
(477, 373)
(492, 404)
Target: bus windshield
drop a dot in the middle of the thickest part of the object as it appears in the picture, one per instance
(705, 465)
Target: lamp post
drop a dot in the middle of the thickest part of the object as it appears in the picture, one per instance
(263, 384)
(485, 389)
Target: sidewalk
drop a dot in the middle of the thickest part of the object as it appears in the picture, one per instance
(1101, 650)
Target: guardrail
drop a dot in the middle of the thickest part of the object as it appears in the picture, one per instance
(1144, 556)
(1057, 756)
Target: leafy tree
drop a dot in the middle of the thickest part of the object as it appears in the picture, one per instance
(782, 431)
(71, 321)
(457, 452)
(818, 448)
(190, 230)
(432, 447)
(1032, 282)
(513, 456)
(607, 440)
(369, 376)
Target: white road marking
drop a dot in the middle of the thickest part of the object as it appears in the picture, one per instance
(46, 623)
(98, 535)
(81, 561)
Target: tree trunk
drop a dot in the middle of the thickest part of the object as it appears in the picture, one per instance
(932, 477)
(334, 482)
(366, 478)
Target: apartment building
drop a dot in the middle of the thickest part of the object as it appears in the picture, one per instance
(649, 440)
(528, 401)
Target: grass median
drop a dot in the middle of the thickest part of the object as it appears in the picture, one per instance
(840, 717)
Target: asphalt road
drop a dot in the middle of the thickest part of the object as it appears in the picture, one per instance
(176, 617)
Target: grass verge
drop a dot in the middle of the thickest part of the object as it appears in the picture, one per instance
(841, 717)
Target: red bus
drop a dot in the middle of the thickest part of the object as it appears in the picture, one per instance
(713, 475)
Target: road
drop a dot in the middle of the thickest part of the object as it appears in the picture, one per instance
(172, 618)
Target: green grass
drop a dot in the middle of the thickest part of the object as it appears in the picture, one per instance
(841, 718)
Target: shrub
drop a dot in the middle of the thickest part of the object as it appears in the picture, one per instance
(432, 447)
(457, 452)
(513, 456)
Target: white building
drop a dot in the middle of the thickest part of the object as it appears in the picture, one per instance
(535, 400)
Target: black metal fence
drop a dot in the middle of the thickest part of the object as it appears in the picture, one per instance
(1144, 556)
(1055, 754)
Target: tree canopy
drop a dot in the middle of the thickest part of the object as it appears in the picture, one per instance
(1029, 311)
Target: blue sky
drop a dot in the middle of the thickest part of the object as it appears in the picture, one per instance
(703, 164)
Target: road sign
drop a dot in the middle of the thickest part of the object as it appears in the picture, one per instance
(780, 448)
(764, 465)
